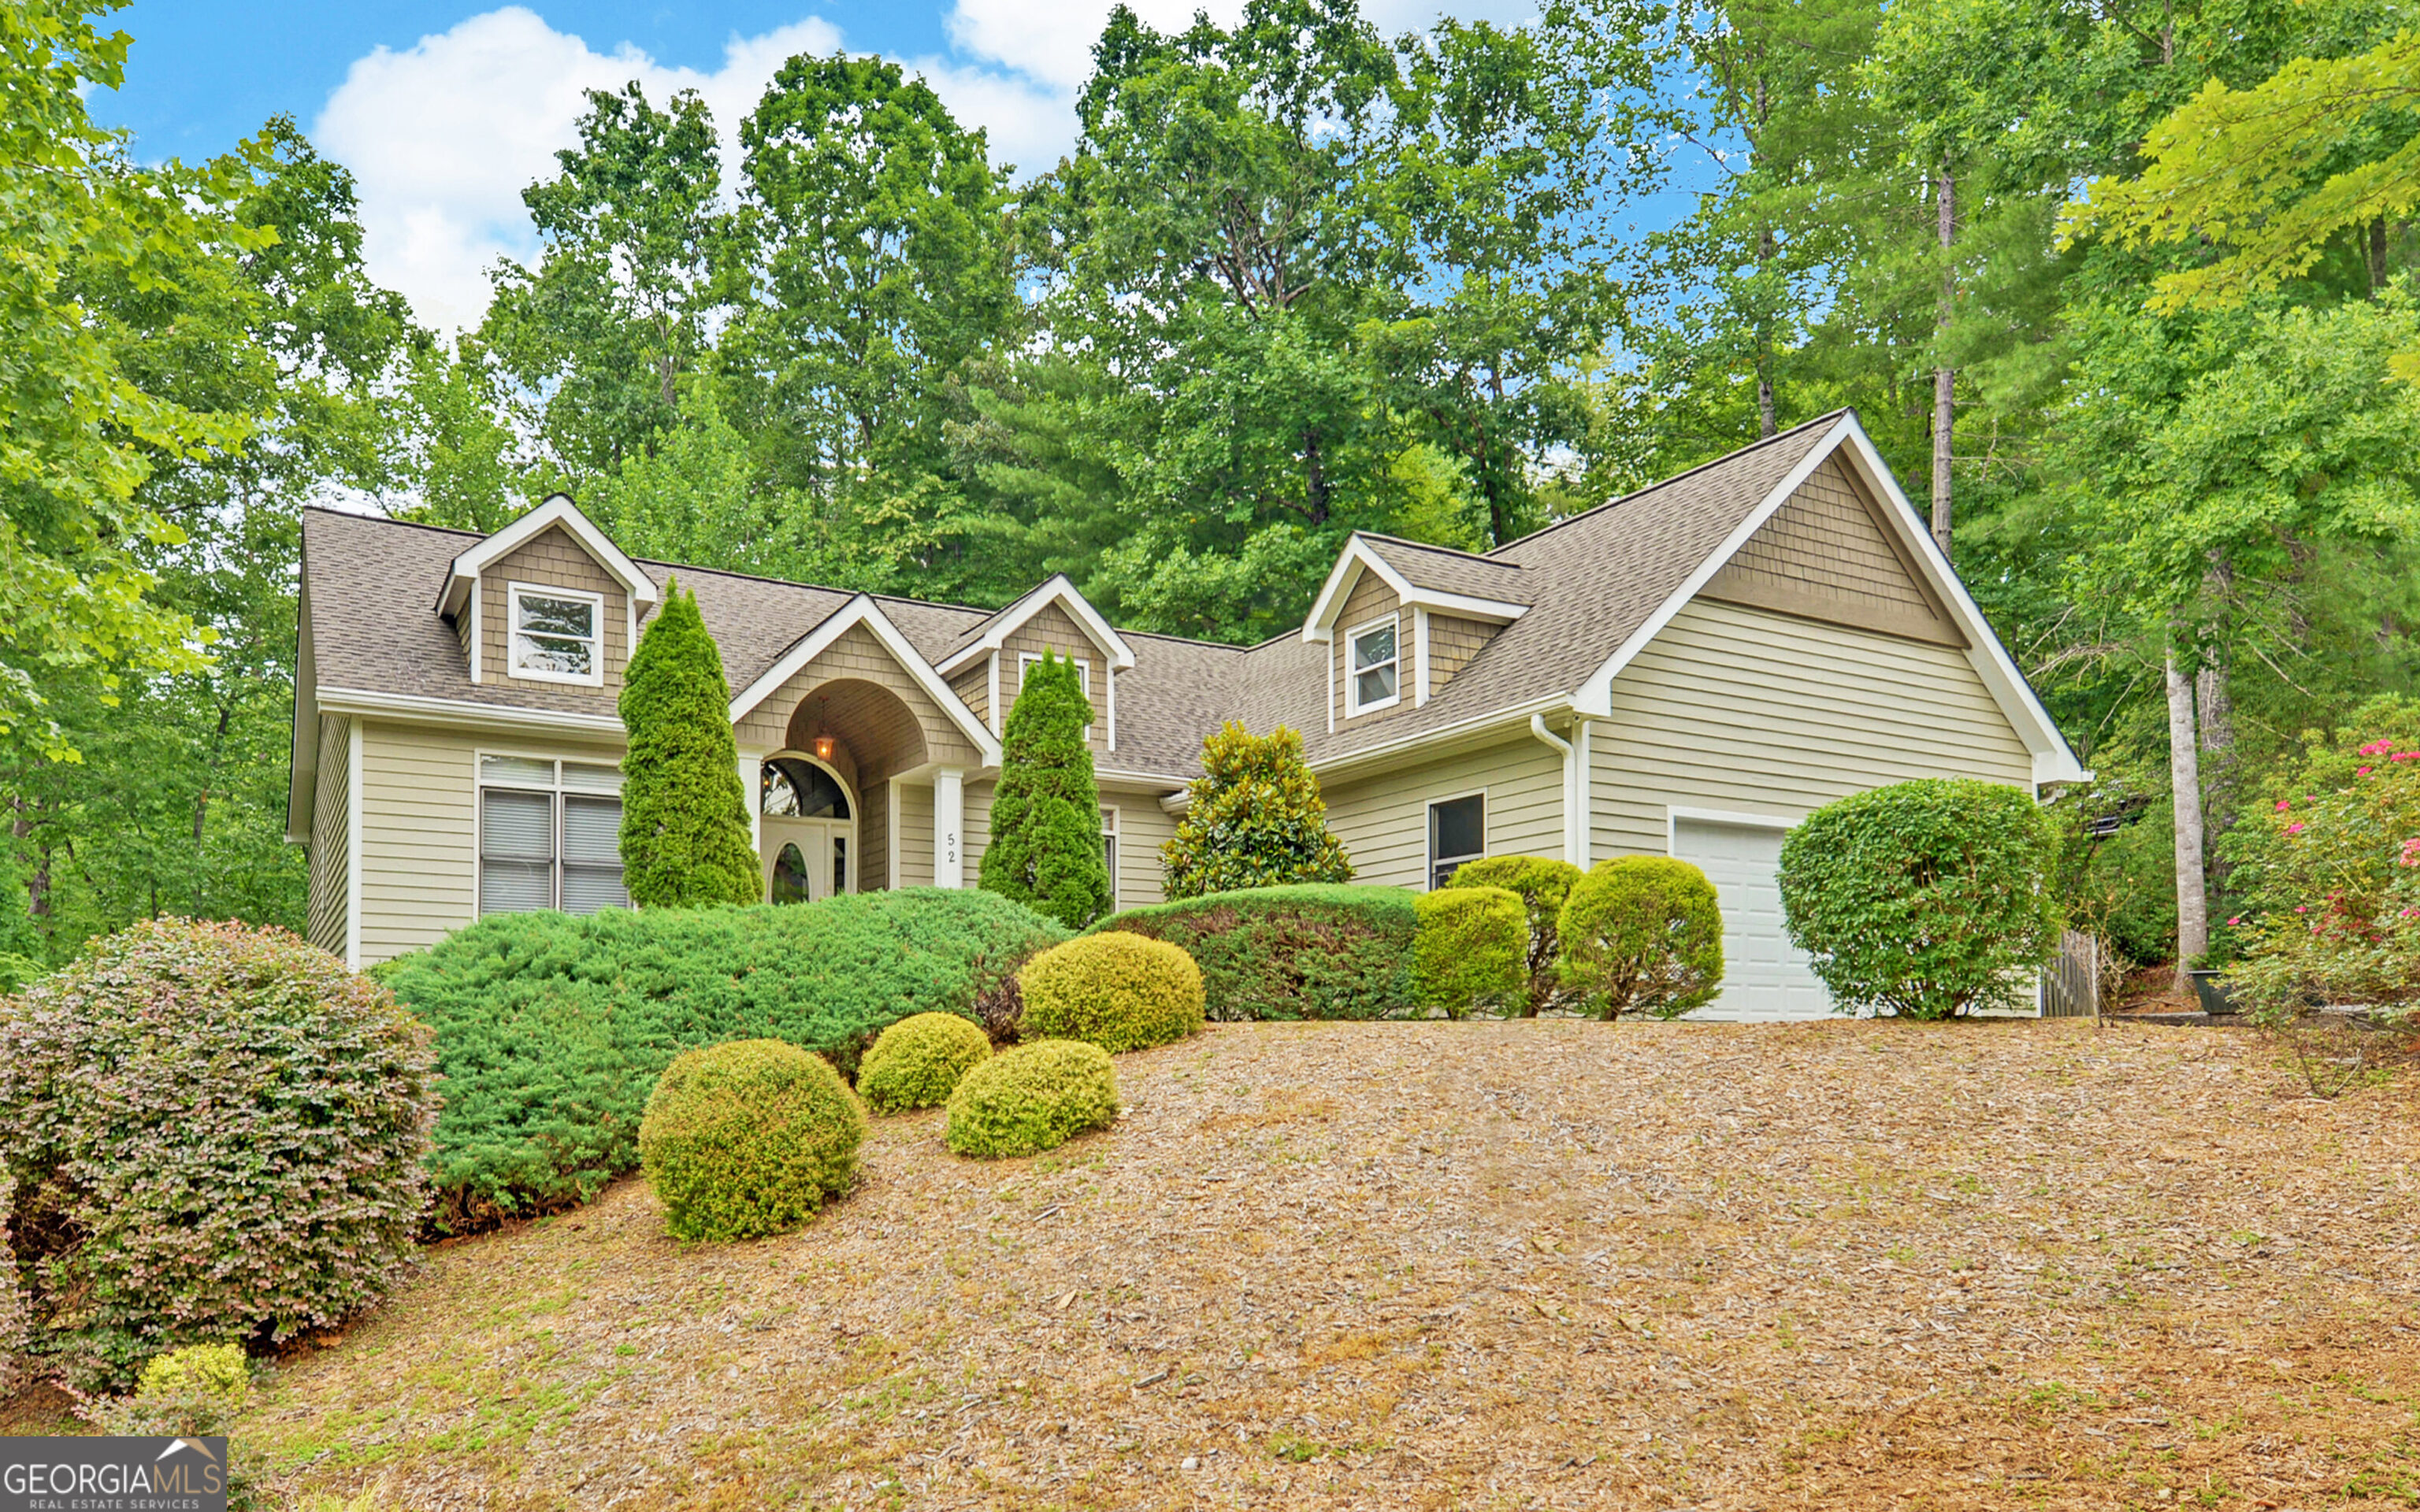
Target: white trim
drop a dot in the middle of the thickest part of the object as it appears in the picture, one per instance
(864, 610)
(1584, 780)
(2052, 760)
(1360, 556)
(1113, 830)
(463, 576)
(890, 826)
(353, 827)
(1428, 837)
(595, 676)
(1420, 658)
(1675, 814)
(949, 828)
(476, 649)
(991, 701)
(1517, 715)
(460, 711)
(752, 775)
(1538, 729)
(1328, 660)
(1058, 589)
(1109, 696)
(1354, 708)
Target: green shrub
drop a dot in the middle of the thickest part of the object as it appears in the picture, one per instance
(916, 1061)
(550, 1030)
(746, 1139)
(1255, 820)
(1928, 899)
(197, 1392)
(686, 837)
(1045, 849)
(1120, 990)
(1033, 1098)
(1544, 883)
(1642, 933)
(1313, 951)
(1470, 953)
(212, 1131)
(217, 1370)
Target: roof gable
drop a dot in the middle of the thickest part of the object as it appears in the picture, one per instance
(557, 512)
(1415, 573)
(991, 634)
(862, 610)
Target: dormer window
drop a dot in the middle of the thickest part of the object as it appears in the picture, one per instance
(556, 635)
(1371, 666)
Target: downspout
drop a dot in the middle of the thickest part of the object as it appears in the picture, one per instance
(1537, 728)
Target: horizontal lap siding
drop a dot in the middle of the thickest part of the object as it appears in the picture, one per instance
(1144, 827)
(1734, 709)
(874, 838)
(976, 833)
(915, 835)
(326, 917)
(1384, 820)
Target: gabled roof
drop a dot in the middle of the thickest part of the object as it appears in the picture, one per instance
(864, 610)
(1417, 575)
(989, 636)
(558, 510)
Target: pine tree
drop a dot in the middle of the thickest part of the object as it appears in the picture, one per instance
(1046, 817)
(1256, 818)
(685, 831)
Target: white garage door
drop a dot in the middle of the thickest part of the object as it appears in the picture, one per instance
(1764, 976)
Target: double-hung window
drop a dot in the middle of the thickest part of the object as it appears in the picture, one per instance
(557, 635)
(550, 836)
(1457, 833)
(1370, 667)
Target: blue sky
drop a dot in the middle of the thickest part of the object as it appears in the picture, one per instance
(446, 111)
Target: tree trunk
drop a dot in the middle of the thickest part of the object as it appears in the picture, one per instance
(1944, 413)
(1767, 248)
(2374, 245)
(2184, 779)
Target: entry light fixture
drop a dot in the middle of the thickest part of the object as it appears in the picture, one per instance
(823, 747)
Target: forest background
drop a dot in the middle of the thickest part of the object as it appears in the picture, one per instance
(2122, 290)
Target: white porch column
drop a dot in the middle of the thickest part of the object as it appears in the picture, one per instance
(949, 827)
(750, 775)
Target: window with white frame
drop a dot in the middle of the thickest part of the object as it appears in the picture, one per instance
(1457, 833)
(1109, 851)
(1083, 680)
(549, 835)
(557, 635)
(1370, 666)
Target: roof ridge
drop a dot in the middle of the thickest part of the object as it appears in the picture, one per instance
(1832, 417)
(1431, 546)
(390, 519)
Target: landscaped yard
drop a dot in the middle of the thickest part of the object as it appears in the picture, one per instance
(1527, 1264)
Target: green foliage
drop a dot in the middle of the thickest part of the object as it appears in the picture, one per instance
(1543, 883)
(1045, 849)
(1642, 933)
(1033, 1098)
(685, 832)
(917, 1061)
(197, 1392)
(1256, 819)
(1470, 953)
(1117, 990)
(550, 1028)
(142, 1088)
(1928, 899)
(218, 1371)
(748, 1139)
(1310, 951)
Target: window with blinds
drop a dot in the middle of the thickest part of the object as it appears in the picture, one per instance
(550, 836)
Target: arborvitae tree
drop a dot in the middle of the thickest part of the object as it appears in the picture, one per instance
(685, 831)
(1046, 817)
(1256, 818)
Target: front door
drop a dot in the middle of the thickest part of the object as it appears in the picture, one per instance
(807, 859)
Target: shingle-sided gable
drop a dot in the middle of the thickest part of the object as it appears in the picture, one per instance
(1826, 555)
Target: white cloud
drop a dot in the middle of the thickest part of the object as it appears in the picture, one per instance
(443, 135)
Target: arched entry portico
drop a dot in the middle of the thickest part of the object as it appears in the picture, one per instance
(825, 795)
(807, 828)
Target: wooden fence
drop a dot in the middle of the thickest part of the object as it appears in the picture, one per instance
(2071, 982)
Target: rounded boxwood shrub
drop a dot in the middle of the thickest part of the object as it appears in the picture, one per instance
(551, 1028)
(1544, 884)
(917, 1061)
(1315, 950)
(1928, 899)
(748, 1139)
(1033, 1098)
(1472, 952)
(1642, 933)
(212, 1133)
(1118, 990)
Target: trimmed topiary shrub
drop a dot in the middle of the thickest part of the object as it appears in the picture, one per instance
(1470, 955)
(749, 1139)
(1033, 1098)
(550, 1028)
(1544, 884)
(917, 1061)
(1928, 899)
(1045, 849)
(1302, 952)
(197, 1392)
(1255, 820)
(211, 1131)
(1120, 990)
(1642, 933)
(685, 830)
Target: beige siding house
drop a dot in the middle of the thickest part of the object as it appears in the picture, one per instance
(1687, 671)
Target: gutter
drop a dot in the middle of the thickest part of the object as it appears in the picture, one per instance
(1571, 767)
(1326, 768)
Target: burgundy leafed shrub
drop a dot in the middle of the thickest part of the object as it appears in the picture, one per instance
(214, 1133)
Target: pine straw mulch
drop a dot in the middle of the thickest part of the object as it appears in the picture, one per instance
(1847, 1265)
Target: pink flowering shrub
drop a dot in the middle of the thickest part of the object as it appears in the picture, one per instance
(212, 1133)
(2330, 868)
